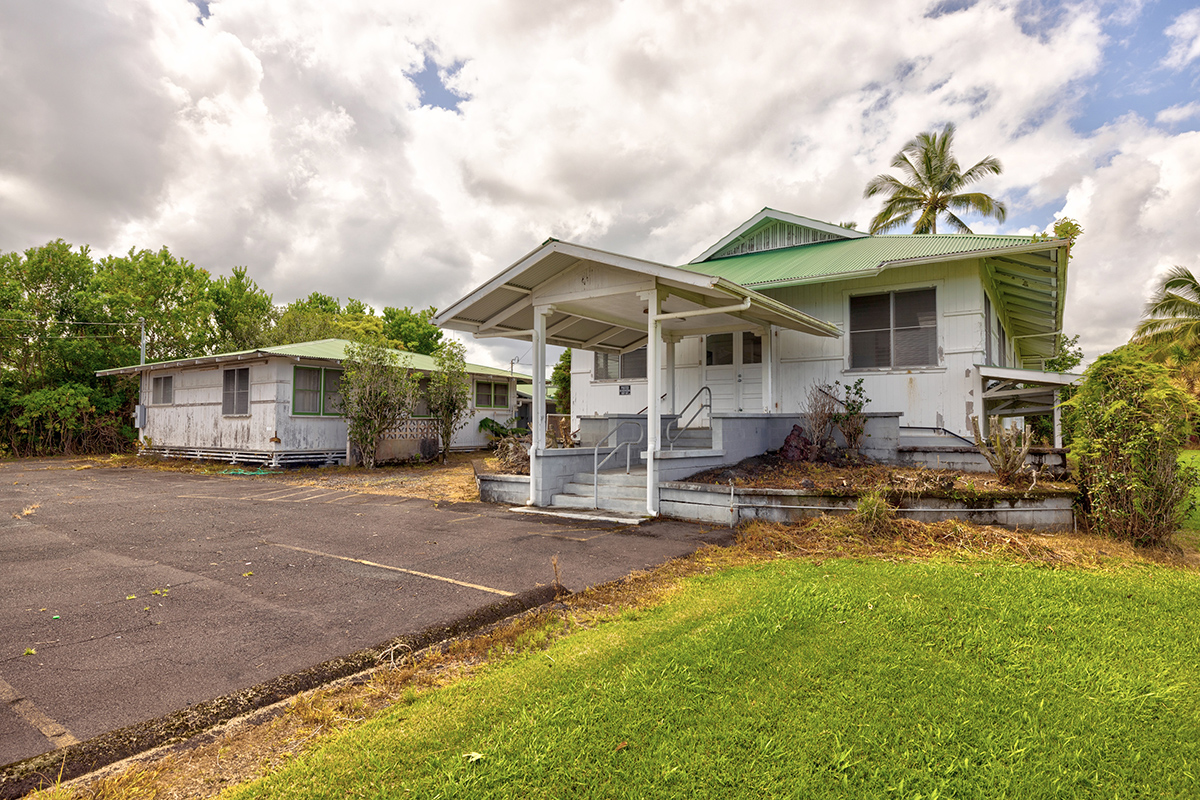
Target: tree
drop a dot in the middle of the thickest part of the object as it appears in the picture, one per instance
(412, 330)
(1129, 423)
(1172, 317)
(243, 315)
(320, 316)
(449, 392)
(560, 378)
(378, 395)
(933, 185)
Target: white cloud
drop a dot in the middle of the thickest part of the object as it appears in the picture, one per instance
(1177, 114)
(292, 139)
(1184, 34)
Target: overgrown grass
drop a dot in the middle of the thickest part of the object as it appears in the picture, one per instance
(871, 678)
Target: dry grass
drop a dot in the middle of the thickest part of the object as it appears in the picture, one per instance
(244, 750)
(453, 481)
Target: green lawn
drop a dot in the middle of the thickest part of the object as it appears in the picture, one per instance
(845, 679)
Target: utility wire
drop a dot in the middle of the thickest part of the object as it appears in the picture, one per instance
(62, 322)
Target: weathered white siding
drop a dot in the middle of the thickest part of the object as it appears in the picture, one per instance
(937, 396)
(194, 420)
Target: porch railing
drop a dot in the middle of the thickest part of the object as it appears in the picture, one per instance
(597, 464)
(679, 429)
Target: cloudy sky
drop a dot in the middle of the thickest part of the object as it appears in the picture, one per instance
(402, 152)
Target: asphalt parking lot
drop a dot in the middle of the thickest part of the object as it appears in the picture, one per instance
(130, 594)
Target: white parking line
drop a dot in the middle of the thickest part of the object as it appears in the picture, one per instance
(500, 592)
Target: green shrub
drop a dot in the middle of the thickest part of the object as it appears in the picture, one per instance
(1129, 423)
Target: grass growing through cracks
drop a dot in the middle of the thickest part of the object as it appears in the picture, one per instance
(843, 678)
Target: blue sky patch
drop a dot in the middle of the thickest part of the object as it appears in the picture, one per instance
(433, 88)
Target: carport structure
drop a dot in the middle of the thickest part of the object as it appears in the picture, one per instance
(576, 296)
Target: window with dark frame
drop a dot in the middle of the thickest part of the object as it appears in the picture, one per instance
(620, 366)
(162, 392)
(235, 397)
(894, 330)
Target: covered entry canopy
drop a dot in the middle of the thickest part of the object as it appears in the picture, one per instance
(575, 296)
(597, 300)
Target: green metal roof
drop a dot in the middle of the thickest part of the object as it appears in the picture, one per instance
(825, 260)
(320, 350)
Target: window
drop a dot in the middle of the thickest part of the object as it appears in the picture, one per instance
(751, 348)
(491, 395)
(235, 400)
(331, 394)
(421, 406)
(620, 366)
(995, 335)
(893, 330)
(718, 350)
(316, 391)
(306, 390)
(163, 391)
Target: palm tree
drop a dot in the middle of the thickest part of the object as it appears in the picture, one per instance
(1172, 317)
(933, 186)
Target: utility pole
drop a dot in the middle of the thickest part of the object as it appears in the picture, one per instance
(142, 322)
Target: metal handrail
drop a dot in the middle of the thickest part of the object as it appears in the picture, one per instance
(938, 429)
(596, 465)
(680, 429)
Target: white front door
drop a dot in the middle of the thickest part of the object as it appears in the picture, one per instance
(733, 370)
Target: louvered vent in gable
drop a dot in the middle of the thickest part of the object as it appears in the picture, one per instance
(774, 236)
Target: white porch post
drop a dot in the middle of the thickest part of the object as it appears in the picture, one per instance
(1057, 422)
(539, 402)
(768, 375)
(654, 410)
(670, 375)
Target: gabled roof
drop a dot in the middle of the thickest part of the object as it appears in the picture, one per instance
(612, 319)
(1028, 279)
(862, 256)
(771, 229)
(322, 350)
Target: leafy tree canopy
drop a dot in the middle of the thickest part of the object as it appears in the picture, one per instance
(412, 330)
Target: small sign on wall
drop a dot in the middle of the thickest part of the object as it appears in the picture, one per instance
(625, 388)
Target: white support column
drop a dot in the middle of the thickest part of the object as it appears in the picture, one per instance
(768, 373)
(670, 405)
(1057, 422)
(654, 410)
(539, 402)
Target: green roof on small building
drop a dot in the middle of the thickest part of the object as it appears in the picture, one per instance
(320, 350)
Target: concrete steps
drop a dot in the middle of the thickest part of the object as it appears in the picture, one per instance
(618, 491)
(690, 439)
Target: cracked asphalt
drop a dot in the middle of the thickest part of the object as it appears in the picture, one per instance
(127, 594)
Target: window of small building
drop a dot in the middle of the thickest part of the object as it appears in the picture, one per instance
(235, 399)
(421, 406)
(162, 391)
(306, 390)
(331, 394)
(491, 395)
(894, 329)
(620, 366)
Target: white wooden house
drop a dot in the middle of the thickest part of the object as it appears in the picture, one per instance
(281, 405)
(940, 328)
